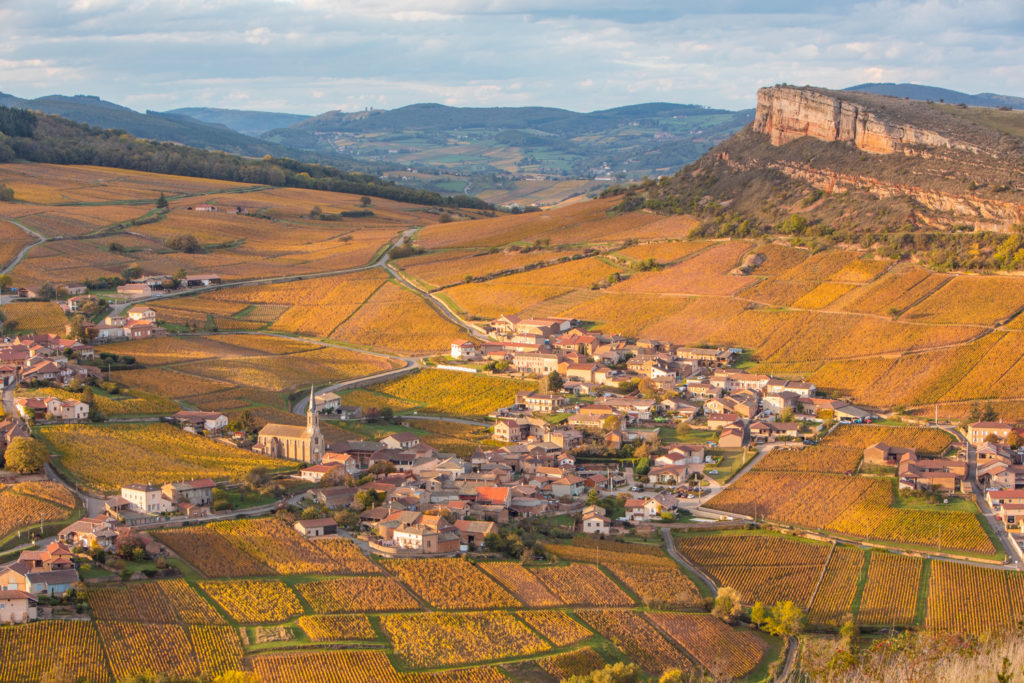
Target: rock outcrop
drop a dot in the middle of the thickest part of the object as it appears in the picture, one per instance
(786, 113)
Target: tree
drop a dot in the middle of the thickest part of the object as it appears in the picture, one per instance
(25, 455)
(620, 672)
(87, 396)
(988, 413)
(187, 244)
(245, 422)
(784, 619)
(848, 635)
(365, 201)
(161, 202)
(77, 328)
(255, 477)
(758, 613)
(366, 499)
(727, 604)
(381, 467)
(1014, 440)
(6, 193)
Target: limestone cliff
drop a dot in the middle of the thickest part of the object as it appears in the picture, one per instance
(855, 164)
(786, 113)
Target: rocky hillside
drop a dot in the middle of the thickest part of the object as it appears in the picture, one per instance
(826, 167)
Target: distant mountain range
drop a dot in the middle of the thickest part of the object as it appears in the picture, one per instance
(926, 92)
(503, 154)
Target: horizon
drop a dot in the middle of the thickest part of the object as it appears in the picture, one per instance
(310, 56)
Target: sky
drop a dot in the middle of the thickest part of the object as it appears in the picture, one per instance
(311, 56)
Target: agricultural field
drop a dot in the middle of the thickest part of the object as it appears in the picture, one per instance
(834, 598)
(35, 316)
(451, 583)
(761, 567)
(123, 404)
(445, 638)
(104, 457)
(653, 576)
(967, 599)
(163, 602)
(891, 590)
(232, 371)
(582, 585)
(27, 504)
(523, 584)
(637, 639)
(329, 627)
(73, 648)
(136, 648)
(444, 391)
(558, 627)
(357, 594)
(254, 601)
(210, 552)
(857, 506)
(575, 663)
(722, 651)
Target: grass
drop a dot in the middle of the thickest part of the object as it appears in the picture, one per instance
(861, 582)
(922, 592)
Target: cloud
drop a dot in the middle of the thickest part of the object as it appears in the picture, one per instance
(308, 55)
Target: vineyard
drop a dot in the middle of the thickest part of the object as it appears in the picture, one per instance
(656, 578)
(27, 504)
(455, 393)
(722, 651)
(440, 639)
(834, 598)
(890, 594)
(357, 594)
(451, 583)
(254, 602)
(856, 506)
(104, 457)
(584, 585)
(638, 639)
(523, 584)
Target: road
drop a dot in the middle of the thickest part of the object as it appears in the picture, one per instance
(411, 366)
(1013, 551)
(673, 551)
(21, 254)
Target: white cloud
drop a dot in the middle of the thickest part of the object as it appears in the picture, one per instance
(581, 54)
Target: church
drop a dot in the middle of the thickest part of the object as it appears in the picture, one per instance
(292, 442)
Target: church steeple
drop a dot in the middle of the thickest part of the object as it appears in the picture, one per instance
(312, 417)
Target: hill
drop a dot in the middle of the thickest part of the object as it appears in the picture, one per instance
(244, 121)
(911, 179)
(482, 149)
(170, 127)
(29, 136)
(914, 91)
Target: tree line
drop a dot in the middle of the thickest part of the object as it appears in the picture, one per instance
(31, 136)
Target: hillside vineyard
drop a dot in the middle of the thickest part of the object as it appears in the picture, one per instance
(760, 418)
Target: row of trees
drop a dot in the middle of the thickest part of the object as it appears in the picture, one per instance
(51, 139)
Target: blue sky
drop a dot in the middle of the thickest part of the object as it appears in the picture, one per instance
(310, 56)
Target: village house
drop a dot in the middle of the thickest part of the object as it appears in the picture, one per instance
(473, 534)
(195, 492)
(595, 520)
(463, 349)
(327, 402)
(642, 510)
(146, 499)
(17, 607)
(401, 440)
(200, 421)
(980, 432)
(135, 290)
(541, 402)
(21, 576)
(315, 473)
(90, 532)
(883, 455)
(535, 363)
(941, 474)
(202, 280)
(314, 528)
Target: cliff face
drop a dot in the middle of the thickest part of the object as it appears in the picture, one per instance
(786, 113)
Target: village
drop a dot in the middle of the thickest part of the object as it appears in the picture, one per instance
(589, 445)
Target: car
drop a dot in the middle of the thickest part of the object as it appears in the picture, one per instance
(637, 488)
(690, 495)
(712, 471)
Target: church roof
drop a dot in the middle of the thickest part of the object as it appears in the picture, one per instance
(285, 431)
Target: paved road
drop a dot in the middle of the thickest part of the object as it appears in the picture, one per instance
(1013, 551)
(21, 254)
(411, 366)
(670, 547)
(792, 645)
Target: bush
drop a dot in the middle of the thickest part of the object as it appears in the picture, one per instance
(183, 243)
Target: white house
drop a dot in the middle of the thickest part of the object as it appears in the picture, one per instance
(642, 510)
(146, 498)
(463, 349)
